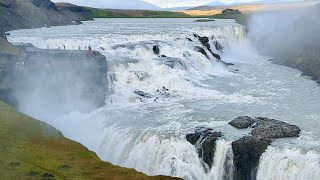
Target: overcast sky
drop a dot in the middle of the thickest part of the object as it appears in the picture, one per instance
(151, 4)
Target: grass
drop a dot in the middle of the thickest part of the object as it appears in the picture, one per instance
(30, 149)
(7, 48)
(112, 13)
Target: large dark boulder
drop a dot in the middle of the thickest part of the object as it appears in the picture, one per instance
(271, 128)
(156, 50)
(204, 140)
(266, 128)
(247, 152)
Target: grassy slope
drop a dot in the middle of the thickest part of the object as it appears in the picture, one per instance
(7, 48)
(30, 148)
(112, 13)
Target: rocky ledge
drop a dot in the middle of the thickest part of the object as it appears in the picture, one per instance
(204, 140)
(53, 73)
(248, 149)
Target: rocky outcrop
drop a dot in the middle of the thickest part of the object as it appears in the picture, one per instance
(76, 79)
(248, 150)
(156, 50)
(204, 139)
(266, 128)
(205, 42)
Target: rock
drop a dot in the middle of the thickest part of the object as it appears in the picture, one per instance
(247, 152)
(202, 51)
(189, 39)
(142, 94)
(218, 46)
(7, 34)
(217, 56)
(156, 50)
(205, 141)
(266, 128)
(243, 122)
(271, 128)
(204, 40)
(163, 56)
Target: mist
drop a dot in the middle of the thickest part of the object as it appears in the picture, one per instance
(286, 34)
(50, 83)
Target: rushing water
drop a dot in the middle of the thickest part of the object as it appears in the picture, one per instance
(149, 134)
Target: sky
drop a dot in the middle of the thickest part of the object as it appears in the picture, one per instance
(153, 4)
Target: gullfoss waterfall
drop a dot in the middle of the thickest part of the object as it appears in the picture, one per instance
(166, 81)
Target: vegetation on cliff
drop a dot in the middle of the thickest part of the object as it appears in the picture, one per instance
(30, 149)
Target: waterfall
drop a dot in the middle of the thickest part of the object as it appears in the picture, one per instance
(154, 100)
(289, 164)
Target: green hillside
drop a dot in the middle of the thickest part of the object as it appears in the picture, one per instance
(30, 149)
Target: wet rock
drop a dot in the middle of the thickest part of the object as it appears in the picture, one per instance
(218, 46)
(204, 40)
(243, 122)
(217, 56)
(271, 128)
(247, 152)
(163, 56)
(189, 39)
(266, 128)
(204, 140)
(142, 94)
(202, 51)
(156, 50)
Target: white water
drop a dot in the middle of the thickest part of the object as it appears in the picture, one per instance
(149, 135)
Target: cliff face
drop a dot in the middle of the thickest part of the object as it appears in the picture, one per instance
(23, 14)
